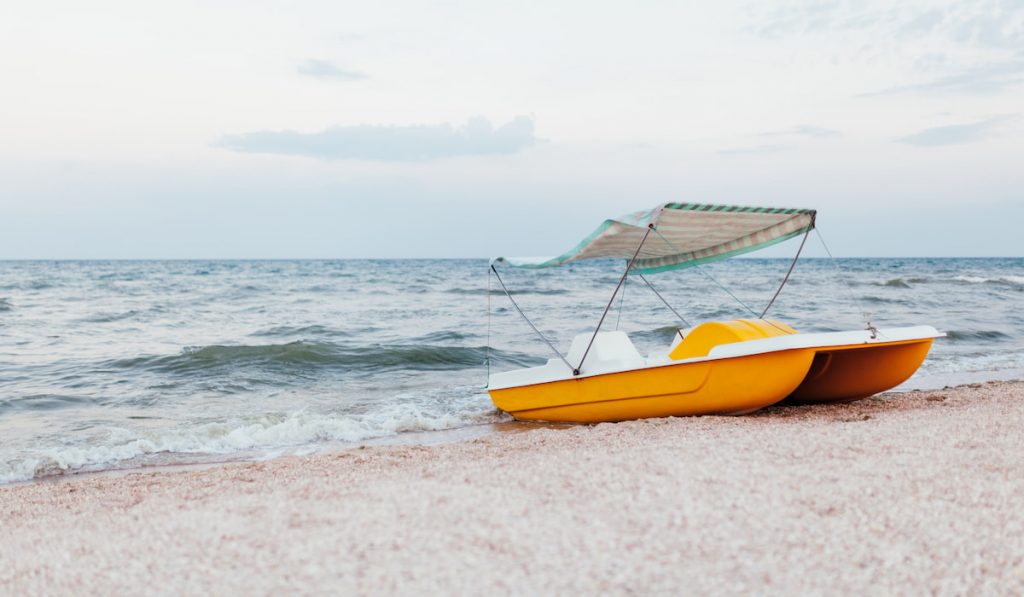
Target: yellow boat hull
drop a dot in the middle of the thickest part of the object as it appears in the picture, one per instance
(848, 373)
(730, 386)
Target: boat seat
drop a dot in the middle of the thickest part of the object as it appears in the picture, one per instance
(699, 341)
(610, 351)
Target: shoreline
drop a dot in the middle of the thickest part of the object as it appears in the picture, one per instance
(169, 461)
(910, 492)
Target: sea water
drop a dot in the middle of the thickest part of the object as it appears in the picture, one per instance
(114, 364)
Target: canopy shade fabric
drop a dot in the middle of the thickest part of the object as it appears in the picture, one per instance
(682, 235)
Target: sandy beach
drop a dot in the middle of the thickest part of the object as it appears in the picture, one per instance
(912, 493)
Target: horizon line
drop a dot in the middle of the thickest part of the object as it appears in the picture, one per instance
(742, 257)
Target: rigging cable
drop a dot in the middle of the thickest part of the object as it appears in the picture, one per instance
(709, 276)
(622, 299)
(658, 294)
(487, 358)
(530, 323)
(791, 266)
(849, 288)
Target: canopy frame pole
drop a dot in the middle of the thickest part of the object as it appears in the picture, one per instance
(670, 308)
(530, 323)
(629, 266)
(792, 264)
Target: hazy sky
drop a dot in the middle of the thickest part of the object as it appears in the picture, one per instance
(401, 129)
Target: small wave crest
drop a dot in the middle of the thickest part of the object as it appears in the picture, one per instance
(443, 336)
(882, 300)
(44, 402)
(304, 354)
(976, 336)
(514, 292)
(301, 330)
(1005, 280)
(894, 283)
(5, 304)
(110, 317)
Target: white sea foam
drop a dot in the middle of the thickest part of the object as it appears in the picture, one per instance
(261, 436)
(1011, 279)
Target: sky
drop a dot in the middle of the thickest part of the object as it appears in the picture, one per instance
(136, 130)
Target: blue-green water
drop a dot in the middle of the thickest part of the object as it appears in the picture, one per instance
(113, 364)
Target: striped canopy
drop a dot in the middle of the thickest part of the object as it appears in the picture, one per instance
(682, 235)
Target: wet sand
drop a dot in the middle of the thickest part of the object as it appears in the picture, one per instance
(921, 492)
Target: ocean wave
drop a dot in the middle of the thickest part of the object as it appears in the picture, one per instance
(976, 335)
(5, 304)
(894, 283)
(257, 435)
(304, 330)
(881, 300)
(1006, 280)
(443, 336)
(304, 354)
(973, 362)
(514, 292)
(43, 402)
(110, 317)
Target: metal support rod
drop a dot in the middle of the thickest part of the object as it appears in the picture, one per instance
(530, 323)
(629, 266)
(790, 271)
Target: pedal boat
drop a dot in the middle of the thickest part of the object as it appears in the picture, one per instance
(712, 372)
(716, 368)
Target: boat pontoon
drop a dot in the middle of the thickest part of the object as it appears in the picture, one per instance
(718, 367)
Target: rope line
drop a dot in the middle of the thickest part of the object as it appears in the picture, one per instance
(717, 283)
(790, 271)
(709, 277)
(530, 323)
(849, 288)
(487, 358)
(658, 294)
(622, 300)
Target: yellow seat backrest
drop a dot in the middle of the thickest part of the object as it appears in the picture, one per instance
(706, 336)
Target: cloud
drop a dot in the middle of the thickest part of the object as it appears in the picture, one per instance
(756, 150)
(987, 78)
(786, 137)
(982, 40)
(797, 19)
(803, 130)
(983, 24)
(954, 134)
(323, 69)
(924, 22)
(392, 143)
(991, 26)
